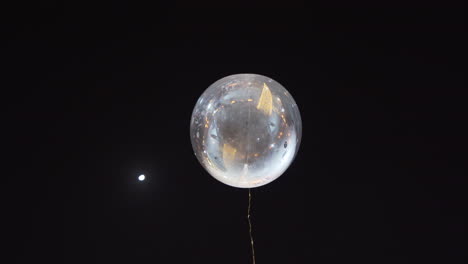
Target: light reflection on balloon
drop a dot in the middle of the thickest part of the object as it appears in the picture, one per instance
(245, 130)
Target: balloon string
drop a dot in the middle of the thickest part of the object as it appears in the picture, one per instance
(250, 227)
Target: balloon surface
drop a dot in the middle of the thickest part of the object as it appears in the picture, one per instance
(245, 130)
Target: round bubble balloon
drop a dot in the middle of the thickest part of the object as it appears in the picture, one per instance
(245, 130)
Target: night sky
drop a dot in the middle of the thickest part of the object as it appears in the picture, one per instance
(95, 95)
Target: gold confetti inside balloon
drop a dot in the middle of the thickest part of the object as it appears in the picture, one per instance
(245, 130)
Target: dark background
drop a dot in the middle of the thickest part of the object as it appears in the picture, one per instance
(95, 95)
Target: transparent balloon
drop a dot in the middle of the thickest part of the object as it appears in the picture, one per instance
(245, 130)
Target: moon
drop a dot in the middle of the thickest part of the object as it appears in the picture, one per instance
(141, 177)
